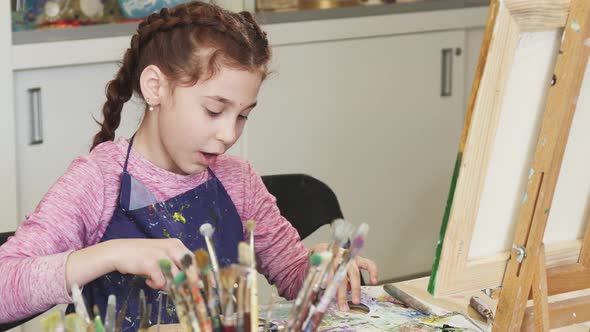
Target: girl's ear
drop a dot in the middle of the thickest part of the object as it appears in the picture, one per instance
(151, 82)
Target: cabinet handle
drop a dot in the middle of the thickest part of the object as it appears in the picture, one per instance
(35, 109)
(446, 86)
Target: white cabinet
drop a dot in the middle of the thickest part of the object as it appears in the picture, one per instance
(66, 100)
(367, 117)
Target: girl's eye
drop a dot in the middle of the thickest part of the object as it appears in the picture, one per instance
(242, 117)
(211, 113)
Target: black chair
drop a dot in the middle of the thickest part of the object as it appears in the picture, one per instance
(4, 237)
(305, 201)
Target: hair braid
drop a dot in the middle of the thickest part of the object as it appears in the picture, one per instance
(118, 92)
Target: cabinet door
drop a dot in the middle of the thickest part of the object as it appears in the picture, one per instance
(54, 123)
(367, 117)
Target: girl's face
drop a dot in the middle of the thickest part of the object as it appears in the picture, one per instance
(197, 123)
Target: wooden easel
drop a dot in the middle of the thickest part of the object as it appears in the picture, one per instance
(526, 273)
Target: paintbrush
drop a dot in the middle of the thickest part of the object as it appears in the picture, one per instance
(207, 231)
(228, 278)
(159, 319)
(342, 230)
(74, 323)
(142, 309)
(121, 316)
(314, 288)
(317, 313)
(109, 317)
(79, 304)
(244, 288)
(98, 327)
(210, 299)
(250, 226)
(52, 322)
(240, 296)
(183, 319)
(61, 326)
(187, 301)
(482, 308)
(195, 293)
(314, 262)
(419, 306)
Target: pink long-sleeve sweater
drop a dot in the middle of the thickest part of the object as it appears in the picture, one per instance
(77, 209)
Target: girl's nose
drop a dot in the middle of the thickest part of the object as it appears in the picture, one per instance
(227, 132)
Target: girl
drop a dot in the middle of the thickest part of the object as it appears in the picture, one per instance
(127, 204)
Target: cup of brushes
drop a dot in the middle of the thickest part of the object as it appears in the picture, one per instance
(213, 299)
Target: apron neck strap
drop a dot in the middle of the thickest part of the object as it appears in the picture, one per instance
(128, 153)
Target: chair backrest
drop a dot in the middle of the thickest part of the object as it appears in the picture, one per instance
(4, 237)
(305, 201)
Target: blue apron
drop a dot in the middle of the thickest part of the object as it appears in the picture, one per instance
(139, 215)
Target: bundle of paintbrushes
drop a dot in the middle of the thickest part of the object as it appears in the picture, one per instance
(326, 273)
(81, 321)
(209, 298)
(213, 299)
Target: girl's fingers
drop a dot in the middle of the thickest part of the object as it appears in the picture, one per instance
(355, 282)
(341, 299)
(369, 266)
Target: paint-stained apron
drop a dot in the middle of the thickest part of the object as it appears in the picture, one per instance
(139, 215)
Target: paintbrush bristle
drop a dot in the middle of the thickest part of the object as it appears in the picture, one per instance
(340, 231)
(359, 239)
(202, 258)
(186, 261)
(244, 255)
(250, 225)
(228, 276)
(96, 311)
(326, 256)
(179, 278)
(165, 265)
(315, 259)
(363, 230)
(206, 230)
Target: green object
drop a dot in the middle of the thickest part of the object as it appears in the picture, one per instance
(165, 265)
(445, 221)
(98, 327)
(315, 259)
(179, 278)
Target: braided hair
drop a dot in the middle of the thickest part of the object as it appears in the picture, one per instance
(187, 43)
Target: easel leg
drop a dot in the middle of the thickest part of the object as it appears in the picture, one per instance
(540, 302)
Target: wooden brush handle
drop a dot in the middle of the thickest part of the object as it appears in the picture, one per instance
(407, 299)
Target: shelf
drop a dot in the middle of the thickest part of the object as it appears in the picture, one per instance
(107, 43)
(78, 33)
(124, 29)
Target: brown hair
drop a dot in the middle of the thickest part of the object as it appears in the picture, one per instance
(185, 43)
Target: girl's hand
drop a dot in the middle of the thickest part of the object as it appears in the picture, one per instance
(128, 256)
(354, 281)
(142, 257)
(353, 275)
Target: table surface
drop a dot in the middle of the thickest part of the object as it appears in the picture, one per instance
(387, 314)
